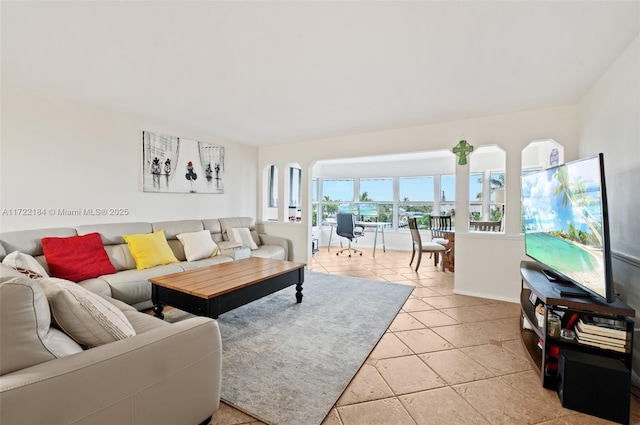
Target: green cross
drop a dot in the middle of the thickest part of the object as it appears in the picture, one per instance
(462, 150)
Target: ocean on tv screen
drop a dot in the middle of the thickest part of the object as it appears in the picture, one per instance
(563, 221)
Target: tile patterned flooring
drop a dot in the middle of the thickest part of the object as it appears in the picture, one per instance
(445, 359)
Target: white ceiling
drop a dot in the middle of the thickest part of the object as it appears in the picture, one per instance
(267, 72)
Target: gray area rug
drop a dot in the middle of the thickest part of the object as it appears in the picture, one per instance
(286, 363)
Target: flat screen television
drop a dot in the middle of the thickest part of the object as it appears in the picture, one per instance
(566, 226)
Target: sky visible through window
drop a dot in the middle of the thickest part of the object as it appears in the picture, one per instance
(339, 190)
(415, 189)
(475, 187)
(377, 189)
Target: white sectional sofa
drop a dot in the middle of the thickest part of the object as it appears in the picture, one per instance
(128, 284)
(164, 374)
(156, 373)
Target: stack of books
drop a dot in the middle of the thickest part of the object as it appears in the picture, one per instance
(607, 334)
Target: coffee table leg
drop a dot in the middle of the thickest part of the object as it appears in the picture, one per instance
(299, 292)
(157, 311)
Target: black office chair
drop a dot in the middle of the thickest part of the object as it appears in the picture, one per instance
(346, 227)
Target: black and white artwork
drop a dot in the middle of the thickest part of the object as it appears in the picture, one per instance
(175, 165)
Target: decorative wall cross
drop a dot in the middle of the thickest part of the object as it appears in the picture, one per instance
(462, 149)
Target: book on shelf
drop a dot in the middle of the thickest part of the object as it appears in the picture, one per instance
(599, 338)
(612, 330)
(602, 345)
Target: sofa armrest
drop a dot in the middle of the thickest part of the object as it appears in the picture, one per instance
(276, 240)
(141, 380)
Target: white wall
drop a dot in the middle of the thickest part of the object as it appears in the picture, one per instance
(512, 132)
(610, 123)
(59, 154)
(410, 167)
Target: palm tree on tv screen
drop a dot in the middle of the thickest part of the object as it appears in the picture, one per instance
(573, 193)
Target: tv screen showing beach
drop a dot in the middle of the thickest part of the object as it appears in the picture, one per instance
(563, 222)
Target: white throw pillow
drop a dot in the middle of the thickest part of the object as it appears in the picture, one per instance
(198, 245)
(83, 315)
(25, 264)
(26, 335)
(242, 235)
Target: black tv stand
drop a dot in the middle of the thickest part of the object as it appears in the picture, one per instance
(552, 355)
(568, 290)
(572, 292)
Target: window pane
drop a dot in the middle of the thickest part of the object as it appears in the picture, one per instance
(273, 186)
(295, 193)
(372, 190)
(448, 188)
(329, 211)
(475, 210)
(475, 187)
(314, 214)
(314, 190)
(385, 213)
(495, 213)
(420, 212)
(416, 189)
(497, 182)
(447, 209)
(338, 190)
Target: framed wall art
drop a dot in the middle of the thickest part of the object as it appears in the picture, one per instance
(175, 165)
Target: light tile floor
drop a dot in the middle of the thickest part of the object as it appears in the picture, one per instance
(446, 358)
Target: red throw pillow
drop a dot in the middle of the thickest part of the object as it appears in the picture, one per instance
(77, 258)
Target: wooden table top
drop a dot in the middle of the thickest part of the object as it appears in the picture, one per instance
(211, 281)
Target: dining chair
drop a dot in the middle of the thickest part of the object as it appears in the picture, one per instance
(438, 224)
(485, 226)
(419, 247)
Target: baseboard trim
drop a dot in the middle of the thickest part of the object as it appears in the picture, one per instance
(486, 296)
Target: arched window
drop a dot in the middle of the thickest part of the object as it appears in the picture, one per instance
(540, 155)
(487, 183)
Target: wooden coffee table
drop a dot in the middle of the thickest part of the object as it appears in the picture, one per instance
(213, 290)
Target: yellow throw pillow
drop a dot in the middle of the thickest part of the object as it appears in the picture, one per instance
(150, 249)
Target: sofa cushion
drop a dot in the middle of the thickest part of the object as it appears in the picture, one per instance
(84, 316)
(77, 258)
(111, 233)
(237, 222)
(198, 245)
(150, 249)
(141, 322)
(218, 259)
(25, 264)
(133, 287)
(26, 337)
(114, 244)
(30, 241)
(213, 226)
(275, 252)
(242, 235)
(175, 227)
